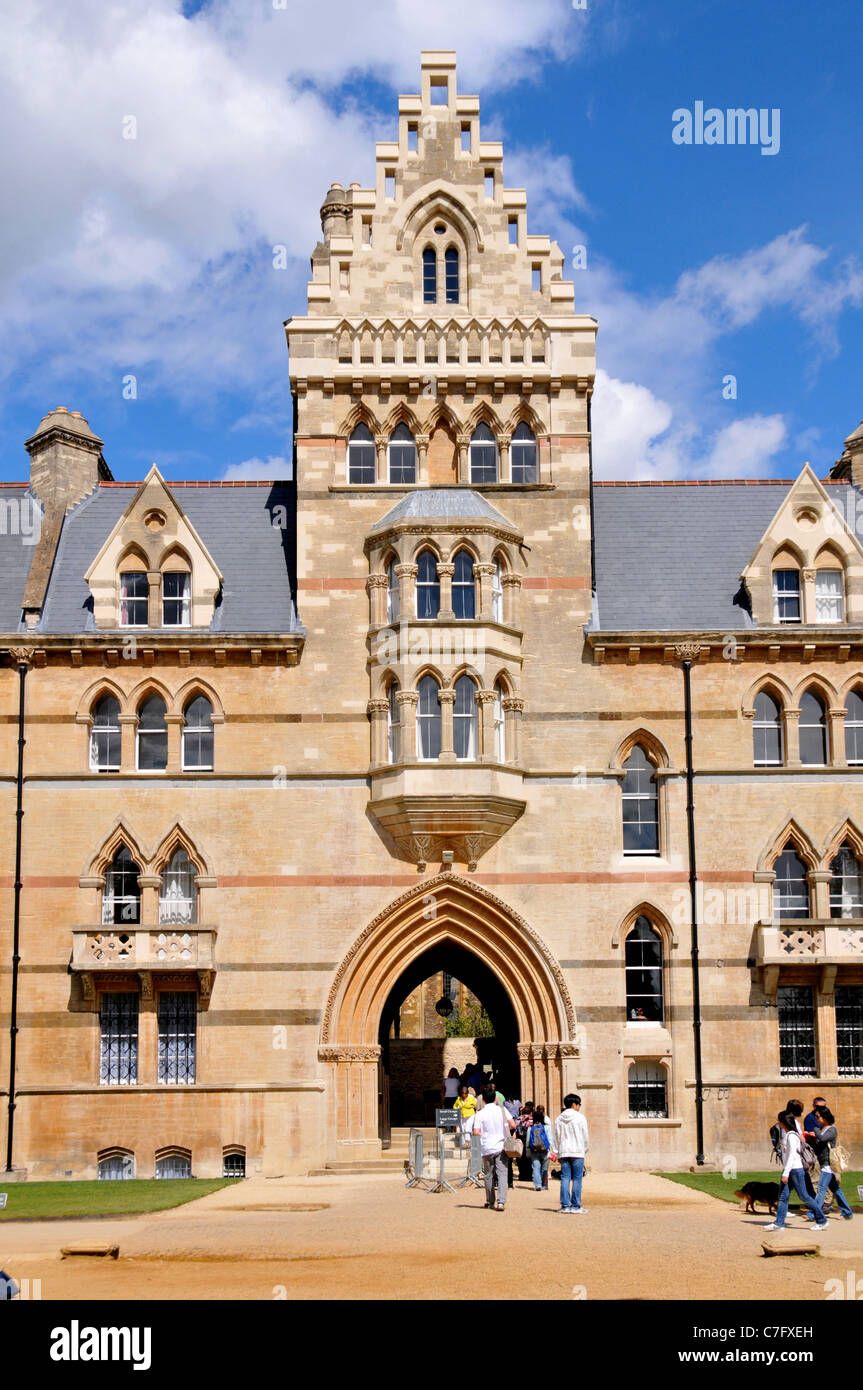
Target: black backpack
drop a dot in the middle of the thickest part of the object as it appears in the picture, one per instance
(776, 1141)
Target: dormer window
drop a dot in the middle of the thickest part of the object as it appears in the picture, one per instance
(786, 596)
(829, 599)
(176, 599)
(134, 598)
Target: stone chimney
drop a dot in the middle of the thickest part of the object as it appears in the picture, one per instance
(66, 464)
(66, 460)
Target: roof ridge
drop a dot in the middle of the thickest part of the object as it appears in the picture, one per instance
(710, 482)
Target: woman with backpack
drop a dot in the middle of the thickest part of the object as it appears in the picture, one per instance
(825, 1145)
(794, 1151)
(538, 1148)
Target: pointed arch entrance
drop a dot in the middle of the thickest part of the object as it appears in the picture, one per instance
(445, 911)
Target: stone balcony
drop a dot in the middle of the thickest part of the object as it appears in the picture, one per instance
(430, 808)
(820, 943)
(145, 951)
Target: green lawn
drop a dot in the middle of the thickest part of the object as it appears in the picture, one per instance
(715, 1185)
(59, 1199)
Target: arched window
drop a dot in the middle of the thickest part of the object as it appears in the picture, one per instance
(393, 596)
(121, 896)
(497, 593)
(116, 1164)
(640, 804)
(483, 455)
(427, 586)
(178, 895)
(402, 455)
(152, 735)
(786, 596)
(846, 884)
(176, 598)
(362, 456)
(463, 586)
(791, 886)
(854, 727)
(429, 275)
(134, 598)
(198, 743)
(451, 275)
(643, 948)
(105, 735)
(829, 596)
(234, 1161)
(648, 1091)
(499, 725)
(393, 723)
(524, 466)
(465, 720)
(813, 731)
(767, 731)
(428, 720)
(174, 1163)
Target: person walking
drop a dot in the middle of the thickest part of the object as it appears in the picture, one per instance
(824, 1144)
(465, 1108)
(538, 1146)
(450, 1088)
(571, 1142)
(793, 1173)
(492, 1124)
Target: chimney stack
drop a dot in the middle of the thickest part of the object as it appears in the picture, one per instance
(850, 465)
(66, 460)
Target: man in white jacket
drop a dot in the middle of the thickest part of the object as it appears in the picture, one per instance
(571, 1142)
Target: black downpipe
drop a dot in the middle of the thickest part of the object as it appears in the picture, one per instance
(590, 503)
(693, 898)
(16, 927)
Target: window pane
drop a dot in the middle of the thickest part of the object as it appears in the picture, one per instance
(118, 1051)
(451, 273)
(429, 275)
(178, 898)
(463, 586)
(846, 890)
(198, 735)
(849, 1029)
(393, 724)
(176, 611)
(403, 456)
(497, 593)
(121, 896)
(643, 958)
(796, 1030)
(177, 1037)
(640, 805)
(483, 456)
(828, 596)
(647, 1091)
(174, 1166)
(854, 727)
(362, 456)
(427, 586)
(465, 721)
(813, 731)
(392, 592)
(428, 719)
(790, 887)
(152, 736)
(786, 596)
(523, 456)
(105, 735)
(134, 599)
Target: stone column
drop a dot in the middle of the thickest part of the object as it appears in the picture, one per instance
(836, 725)
(381, 442)
(485, 700)
(154, 598)
(819, 883)
(483, 573)
(206, 885)
(825, 1001)
(376, 587)
(148, 1049)
(513, 709)
(445, 572)
(536, 1071)
(128, 728)
(503, 443)
(377, 711)
(792, 737)
(463, 443)
(807, 596)
(511, 599)
(406, 575)
(149, 885)
(407, 701)
(447, 746)
(422, 443)
(523, 1050)
(174, 723)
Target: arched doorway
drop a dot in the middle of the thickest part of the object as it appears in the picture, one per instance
(443, 914)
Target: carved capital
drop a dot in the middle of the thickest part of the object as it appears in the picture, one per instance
(376, 581)
(445, 567)
(510, 581)
(446, 696)
(523, 1050)
(407, 697)
(377, 707)
(687, 651)
(410, 570)
(485, 697)
(513, 704)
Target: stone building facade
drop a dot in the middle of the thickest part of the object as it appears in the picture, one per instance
(292, 749)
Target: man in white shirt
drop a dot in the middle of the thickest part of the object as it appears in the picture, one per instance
(492, 1124)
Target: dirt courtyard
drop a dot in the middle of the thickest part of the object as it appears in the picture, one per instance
(368, 1238)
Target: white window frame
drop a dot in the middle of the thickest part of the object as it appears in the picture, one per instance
(836, 599)
(786, 594)
(184, 598)
(121, 598)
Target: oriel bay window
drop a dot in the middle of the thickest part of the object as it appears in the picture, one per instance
(178, 1021)
(118, 1040)
(463, 586)
(427, 585)
(428, 720)
(465, 720)
(640, 804)
(105, 735)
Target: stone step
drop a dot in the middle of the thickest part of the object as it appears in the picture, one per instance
(369, 1165)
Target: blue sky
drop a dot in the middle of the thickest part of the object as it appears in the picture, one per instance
(152, 257)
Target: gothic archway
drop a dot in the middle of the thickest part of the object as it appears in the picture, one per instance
(447, 909)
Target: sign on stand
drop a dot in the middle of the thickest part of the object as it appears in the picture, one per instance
(446, 1122)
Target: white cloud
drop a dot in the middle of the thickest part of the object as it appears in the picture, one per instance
(254, 469)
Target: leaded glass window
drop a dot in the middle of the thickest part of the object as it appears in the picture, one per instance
(118, 1046)
(105, 736)
(178, 1021)
(640, 805)
(796, 1030)
(644, 974)
(198, 746)
(849, 1029)
(648, 1091)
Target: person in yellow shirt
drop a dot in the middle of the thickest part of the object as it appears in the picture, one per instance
(466, 1107)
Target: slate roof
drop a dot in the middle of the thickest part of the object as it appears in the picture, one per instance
(15, 555)
(670, 556)
(443, 503)
(234, 523)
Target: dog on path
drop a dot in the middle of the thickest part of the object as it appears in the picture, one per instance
(752, 1192)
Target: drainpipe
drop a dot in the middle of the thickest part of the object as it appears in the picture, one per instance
(590, 502)
(23, 660)
(693, 898)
